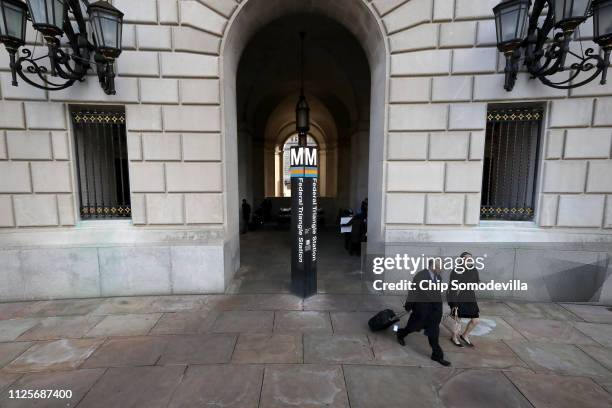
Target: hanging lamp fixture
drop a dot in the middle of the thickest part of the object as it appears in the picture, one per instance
(68, 42)
(302, 110)
(543, 43)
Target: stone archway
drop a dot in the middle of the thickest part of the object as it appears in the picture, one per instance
(360, 19)
(281, 125)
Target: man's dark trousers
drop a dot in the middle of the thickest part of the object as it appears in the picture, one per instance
(426, 307)
(415, 324)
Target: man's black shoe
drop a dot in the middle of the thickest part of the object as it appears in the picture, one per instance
(442, 361)
(400, 340)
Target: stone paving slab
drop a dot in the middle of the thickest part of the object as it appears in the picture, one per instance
(79, 382)
(302, 322)
(125, 305)
(54, 308)
(185, 323)
(337, 349)
(479, 388)
(65, 354)
(591, 313)
(256, 348)
(350, 322)
(495, 309)
(258, 286)
(227, 386)
(304, 386)
(125, 325)
(242, 321)
(53, 328)
(350, 303)
(186, 303)
(601, 333)
(269, 302)
(13, 310)
(10, 330)
(603, 355)
(349, 285)
(561, 391)
(273, 271)
(10, 351)
(558, 358)
(153, 304)
(387, 350)
(482, 345)
(495, 328)
(390, 387)
(198, 349)
(482, 360)
(541, 311)
(605, 383)
(126, 352)
(6, 379)
(150, 387)
(554, 331)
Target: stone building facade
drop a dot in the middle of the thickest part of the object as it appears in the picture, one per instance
(435, 71)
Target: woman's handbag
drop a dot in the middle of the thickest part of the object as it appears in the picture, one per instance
(451, 320)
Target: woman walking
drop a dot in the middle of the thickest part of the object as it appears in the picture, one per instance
(463, 302)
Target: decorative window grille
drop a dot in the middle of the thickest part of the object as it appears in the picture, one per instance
(101, 162)
(511, 163)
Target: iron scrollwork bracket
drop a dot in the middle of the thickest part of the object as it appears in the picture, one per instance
(68, 62)
(545, 57)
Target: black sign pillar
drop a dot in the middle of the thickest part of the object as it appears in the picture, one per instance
(304, 206)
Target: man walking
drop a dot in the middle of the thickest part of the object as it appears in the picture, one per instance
(426, 306)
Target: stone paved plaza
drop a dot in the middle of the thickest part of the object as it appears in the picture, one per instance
(267, 350)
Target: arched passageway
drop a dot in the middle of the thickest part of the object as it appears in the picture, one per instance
(346, 112)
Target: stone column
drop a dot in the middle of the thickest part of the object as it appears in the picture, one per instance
(278, 171)
(359, 167)
(270, 164)
(323, 173)
(245, 166)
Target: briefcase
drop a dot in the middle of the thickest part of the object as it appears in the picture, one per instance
(385, 319)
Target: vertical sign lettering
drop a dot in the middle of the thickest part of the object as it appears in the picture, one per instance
(304, 206)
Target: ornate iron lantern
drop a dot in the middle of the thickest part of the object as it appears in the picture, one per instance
(12, 23)
(602, 28)
(522, 35)
(511, 24)
(12, 28)
(63, 65)
(107, 23)
(569, 14)
(47, 16)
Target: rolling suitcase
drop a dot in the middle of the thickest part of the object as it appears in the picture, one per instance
(385, 319)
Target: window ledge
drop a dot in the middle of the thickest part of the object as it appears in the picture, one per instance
(508, 224)
(101, 224)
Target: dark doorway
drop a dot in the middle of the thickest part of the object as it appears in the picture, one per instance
(337, 83)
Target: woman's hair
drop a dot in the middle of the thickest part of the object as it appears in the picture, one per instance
(464, 254)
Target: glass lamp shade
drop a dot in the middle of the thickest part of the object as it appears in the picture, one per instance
(511, 22)
(569, 14)
(302, 116)
(602, 23)
(107, 23)
(12, 23)
(48, 16)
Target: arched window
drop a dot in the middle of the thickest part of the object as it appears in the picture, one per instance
(292, 141)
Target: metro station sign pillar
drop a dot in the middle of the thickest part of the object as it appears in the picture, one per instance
(304, 205)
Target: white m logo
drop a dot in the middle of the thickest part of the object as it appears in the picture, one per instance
(297, 156)
(311, 157)
(303, 157)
